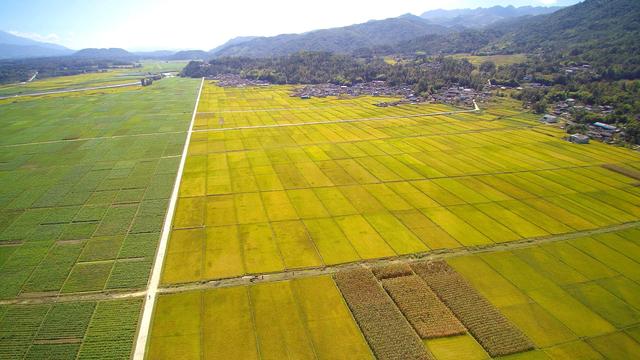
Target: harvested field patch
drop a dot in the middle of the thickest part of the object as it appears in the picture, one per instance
(392, 271)
(383, 325)
(426, 313)
(626, 171)
(492, 330)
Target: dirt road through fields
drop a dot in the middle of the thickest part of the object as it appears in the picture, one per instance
(152, 288)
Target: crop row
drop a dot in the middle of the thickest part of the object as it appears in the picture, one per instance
(492, 330)
(385, 328)
(422, 308)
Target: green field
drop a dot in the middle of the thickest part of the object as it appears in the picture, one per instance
(69, 330)
(497, 59)
(88, 80)
(86, 179)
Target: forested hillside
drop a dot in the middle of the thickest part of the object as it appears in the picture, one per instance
(341, 40)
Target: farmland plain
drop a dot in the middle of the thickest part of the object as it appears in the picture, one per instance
(89, 80)
(275, 187)
(282, 183)
(279, 188)
(86, 178)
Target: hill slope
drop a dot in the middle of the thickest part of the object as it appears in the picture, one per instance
(235, 41)
(340, 40)
(481, 17)
(15, 47)
(110, 53)
(601, 32)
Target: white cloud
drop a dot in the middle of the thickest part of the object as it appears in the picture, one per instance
(51, 38)
(548, 2)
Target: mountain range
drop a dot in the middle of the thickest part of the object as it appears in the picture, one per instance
(604, 25)
(344, 39)
(12, 46)
(481, 17)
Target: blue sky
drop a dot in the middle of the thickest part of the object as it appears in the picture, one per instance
(201, 24)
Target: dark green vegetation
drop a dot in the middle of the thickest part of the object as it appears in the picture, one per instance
(17, 70)
(622, 95)
(82, 330)
(602, 33)
(314, 67)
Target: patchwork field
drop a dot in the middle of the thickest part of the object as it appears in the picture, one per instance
(273, 189)
(85, 185)
(325, 228)
(567, 299)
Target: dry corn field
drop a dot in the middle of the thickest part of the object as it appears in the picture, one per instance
(392, 271)
(426, 313)
(492, 330)
(385, 328)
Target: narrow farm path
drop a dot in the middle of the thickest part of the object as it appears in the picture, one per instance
(154, 282)
(69, 90)
(323, 270)
(90, 138)
(429, 255)
(382, 118)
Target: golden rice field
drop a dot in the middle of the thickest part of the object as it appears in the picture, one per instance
(267, 192)
(538, 233)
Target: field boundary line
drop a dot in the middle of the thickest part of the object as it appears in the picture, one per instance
(74, 297)
(68, 90)
(91, 138)
(152, 288)
(316, 271)
(395, 117)
(274, 109)
(409, 258)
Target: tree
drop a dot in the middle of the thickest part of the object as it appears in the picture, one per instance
(539, 107)
(488, 67)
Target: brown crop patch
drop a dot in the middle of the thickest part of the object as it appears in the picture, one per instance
(634, 174)
(492, 330)
(426, 313)
(387, 331)
(392, 271)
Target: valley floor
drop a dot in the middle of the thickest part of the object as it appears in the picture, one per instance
(316, 228)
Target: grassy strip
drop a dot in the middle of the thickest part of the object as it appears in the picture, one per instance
(426, 313)
(492, 330)
(392, 271)
(387, 331)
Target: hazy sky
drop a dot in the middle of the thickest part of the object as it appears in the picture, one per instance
(201, 24)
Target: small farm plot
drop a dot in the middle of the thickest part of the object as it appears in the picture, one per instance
(297, 319)
(69, 330)
(284, 185)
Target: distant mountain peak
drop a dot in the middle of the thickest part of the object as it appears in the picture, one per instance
(15, 47)
(481, 17)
